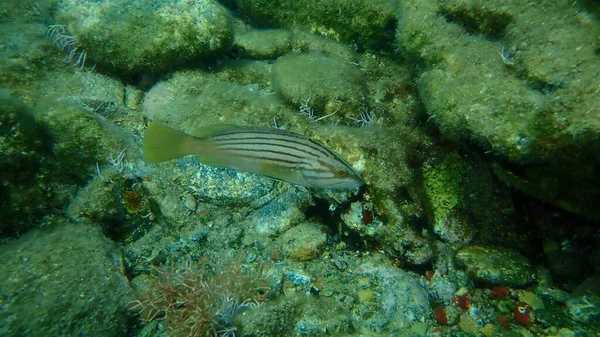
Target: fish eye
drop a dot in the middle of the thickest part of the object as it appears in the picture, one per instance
(339, 172)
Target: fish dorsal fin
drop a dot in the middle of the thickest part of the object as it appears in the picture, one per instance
(216, 129)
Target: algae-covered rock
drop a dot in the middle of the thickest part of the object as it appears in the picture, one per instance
(237, 95)
(584, 309)
(21, 140)
(466, 201)
(496, 266)
(82, 140)
(445, 188)
(284, 209)
(262, 44)
(492, 78)
(25, 148)
(273, 319)
(116, 200)
(368, 24)
(64, 282)
(319, 85)
(143, 36)
(24, 55)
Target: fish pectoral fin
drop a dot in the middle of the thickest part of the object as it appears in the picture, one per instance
(280, 173)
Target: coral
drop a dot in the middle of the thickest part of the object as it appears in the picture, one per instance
(195, 300)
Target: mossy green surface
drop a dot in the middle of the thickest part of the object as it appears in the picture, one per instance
(367, 24)
(65, 281)
(321, 84)
(262, 44)
(25, 168)
(444, 186)
(146, 36)
(491, 77)
(80, 139)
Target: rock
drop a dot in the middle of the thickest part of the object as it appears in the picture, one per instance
(262, 44)
(222, 186)
(72, 275)
(400, 239)
(319, 85)
(143, 36)
(24, 186)
(496, 266)
(303, 242)
(403, 296)
(366, 23)
(584, 309)
(528, 99)
(82, 140)
(284, 210)
(324, 315)
(584, 304)
(445, 187)
(190, 99)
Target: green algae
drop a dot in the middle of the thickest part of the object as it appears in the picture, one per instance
(525, 95)
(445, 188)
(63, 282)
(368, 24)
(141, 36)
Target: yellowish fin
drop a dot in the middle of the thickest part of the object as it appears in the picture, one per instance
(162, 143)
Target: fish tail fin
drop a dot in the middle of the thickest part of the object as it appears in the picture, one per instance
(162, 143)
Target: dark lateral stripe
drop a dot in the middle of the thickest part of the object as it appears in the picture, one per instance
(292, 138)
(279, 162)
(303, 143)
(275, 153)
(269, 132)
(291, 164)
(285, 164)
(267, 154)
(286, 148)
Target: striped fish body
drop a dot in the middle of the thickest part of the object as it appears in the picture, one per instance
(278, 154)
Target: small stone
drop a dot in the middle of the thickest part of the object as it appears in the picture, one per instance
(584, 309)
(496, 266)
(584, 304)
(303, 242)
(532, 299)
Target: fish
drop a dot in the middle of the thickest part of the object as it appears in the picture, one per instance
(275, 153)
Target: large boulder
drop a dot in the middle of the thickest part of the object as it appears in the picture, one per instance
(64, 282)
(141, 36)
(516, 83)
